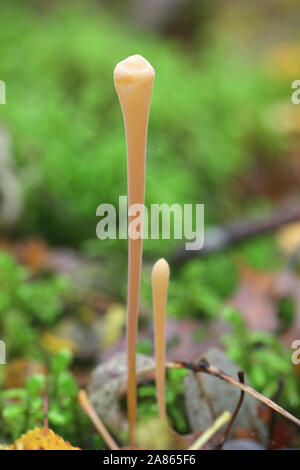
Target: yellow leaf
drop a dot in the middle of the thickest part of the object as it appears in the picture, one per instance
(40, 439)
(289, 238)
(114, 323)
(54, 344)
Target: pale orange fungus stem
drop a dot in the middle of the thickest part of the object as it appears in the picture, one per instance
(133, 79)
(160, 282)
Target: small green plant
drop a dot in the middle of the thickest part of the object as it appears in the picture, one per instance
(174, 400)
(26, 305)
(22, 409)
(208, 287)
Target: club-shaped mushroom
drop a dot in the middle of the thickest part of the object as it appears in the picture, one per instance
(160, 282)
(133, 79)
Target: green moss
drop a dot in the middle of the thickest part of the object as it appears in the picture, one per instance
(67, 131)
(174, 400)
(22, 409)
(264, 359)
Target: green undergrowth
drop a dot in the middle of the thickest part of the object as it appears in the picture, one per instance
(67, 132)
(266, 362)
(22, 409)
(27, 306)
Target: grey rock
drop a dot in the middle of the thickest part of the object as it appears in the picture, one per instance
(108, 384)
(243, 444)
(207, 397)
(85, 337)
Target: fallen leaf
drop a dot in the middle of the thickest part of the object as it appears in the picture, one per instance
(289, 238)
(114, 323)
(257, 297)
(40, 439)
(84, 339)
(283, 435)
(18, 371)
(254, 299)
(53, 343)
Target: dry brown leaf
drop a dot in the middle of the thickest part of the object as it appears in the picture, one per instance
(18, 371)
(254, 298)
(283, 435)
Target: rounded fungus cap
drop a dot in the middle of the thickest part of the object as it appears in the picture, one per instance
(133, 70)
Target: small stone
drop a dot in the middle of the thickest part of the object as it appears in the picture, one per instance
(109, 383)
(207, 397)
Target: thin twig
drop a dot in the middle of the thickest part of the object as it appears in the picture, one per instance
(237, 409)
(204, 438)
(203, 366)
(222, 238)
(91, 412)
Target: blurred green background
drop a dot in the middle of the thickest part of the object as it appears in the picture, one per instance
(222, 132)
(209, 128)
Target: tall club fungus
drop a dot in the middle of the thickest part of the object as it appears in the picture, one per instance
(160, 282)
(133, 79)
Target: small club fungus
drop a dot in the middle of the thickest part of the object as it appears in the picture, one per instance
(133, 78)
(160, 282)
